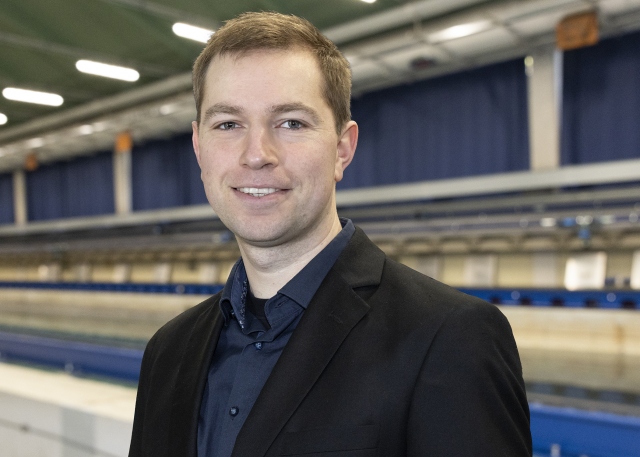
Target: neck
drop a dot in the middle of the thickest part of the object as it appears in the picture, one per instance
(270, 268)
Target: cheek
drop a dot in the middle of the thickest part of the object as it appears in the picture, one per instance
(211, 163)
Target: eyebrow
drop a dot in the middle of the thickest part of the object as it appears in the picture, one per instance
(289, 107)
(221, 108)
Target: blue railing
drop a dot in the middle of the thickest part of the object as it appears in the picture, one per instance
(202, 289)
(72, 356)
(611, 299)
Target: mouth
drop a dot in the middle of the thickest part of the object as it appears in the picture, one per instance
(257, 191)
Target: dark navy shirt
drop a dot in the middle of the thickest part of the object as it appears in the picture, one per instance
(248, 350)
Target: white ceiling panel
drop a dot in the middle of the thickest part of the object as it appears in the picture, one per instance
(546, 21)
(615, 7)
(401, 60)
(367, 69)
(516, 11)
(481, 43)
(389, 43)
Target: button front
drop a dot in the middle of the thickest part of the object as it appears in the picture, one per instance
(258, 345)
(233, 412)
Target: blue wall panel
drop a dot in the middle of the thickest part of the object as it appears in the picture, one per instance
(466, 124)
(80, 187)
(165, 174)
(584, 433)
(601, 102)
(6, 198)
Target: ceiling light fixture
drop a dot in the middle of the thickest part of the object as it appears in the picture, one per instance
(192, 32)
(459, 31)
(106, 70)
(168, 109)
(35, 143)
(85, 129)
(369, 1)
(32, 96)
(3, 119)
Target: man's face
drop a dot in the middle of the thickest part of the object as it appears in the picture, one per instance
(268, 149)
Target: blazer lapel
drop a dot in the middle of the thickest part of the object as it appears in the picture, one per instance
(331, 315)
(191, 379)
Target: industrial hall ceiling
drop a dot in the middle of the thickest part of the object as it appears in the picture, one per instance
(43, 44)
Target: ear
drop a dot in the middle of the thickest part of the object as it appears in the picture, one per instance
(346, 148)
(195, 141)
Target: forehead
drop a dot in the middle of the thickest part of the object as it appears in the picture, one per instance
(288, 69)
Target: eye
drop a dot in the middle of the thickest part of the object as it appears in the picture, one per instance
(292, 124)
(229, 125)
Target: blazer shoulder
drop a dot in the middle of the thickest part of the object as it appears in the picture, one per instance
(420, 290)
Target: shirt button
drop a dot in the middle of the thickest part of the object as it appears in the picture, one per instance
(233, 412)
(258, 345)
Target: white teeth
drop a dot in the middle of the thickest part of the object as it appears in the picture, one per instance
(257, 192)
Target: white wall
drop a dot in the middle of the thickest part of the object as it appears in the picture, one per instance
(48, 414)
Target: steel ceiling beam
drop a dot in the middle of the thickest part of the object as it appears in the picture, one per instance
(395, 18)
(161, 89)
(80, 53)
(167, 12)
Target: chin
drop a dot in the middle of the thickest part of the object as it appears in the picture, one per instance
(260, 240)
(258, 234)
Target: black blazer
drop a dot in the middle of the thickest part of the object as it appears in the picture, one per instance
(385, 362)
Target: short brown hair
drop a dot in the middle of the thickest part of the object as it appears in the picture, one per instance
(268, 30)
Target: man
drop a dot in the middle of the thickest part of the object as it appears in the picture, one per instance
(318, 345)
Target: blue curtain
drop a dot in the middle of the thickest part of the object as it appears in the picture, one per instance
(466, 124)
(6, 198)
(601, 102)
(80, 187)
(165, 174)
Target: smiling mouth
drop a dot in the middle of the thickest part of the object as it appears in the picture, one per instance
(257, 192)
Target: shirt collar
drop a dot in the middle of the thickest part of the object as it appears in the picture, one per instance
(234, 294)
(301, 288)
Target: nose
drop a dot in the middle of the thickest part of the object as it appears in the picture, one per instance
(259, 150)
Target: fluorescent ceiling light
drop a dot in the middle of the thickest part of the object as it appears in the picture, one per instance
(168, 109)
(369, 1)
(192, 32)
(35, 143)
(3, 119)
(32, 96)
(100, 126)
(106, 70)
(85, 129)
(459, 31)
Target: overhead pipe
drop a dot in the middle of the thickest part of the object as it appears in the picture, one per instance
(394, 18)
(154, 91)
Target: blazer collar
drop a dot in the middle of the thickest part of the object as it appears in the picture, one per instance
(333, 312)
(361, 262)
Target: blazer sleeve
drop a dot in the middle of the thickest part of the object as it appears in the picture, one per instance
(469, 399)
(136, 447)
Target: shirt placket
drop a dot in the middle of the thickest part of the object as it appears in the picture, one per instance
(255, 365)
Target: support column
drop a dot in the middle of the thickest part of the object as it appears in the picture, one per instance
(544, 81)
(19, 197)
(122, 173)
